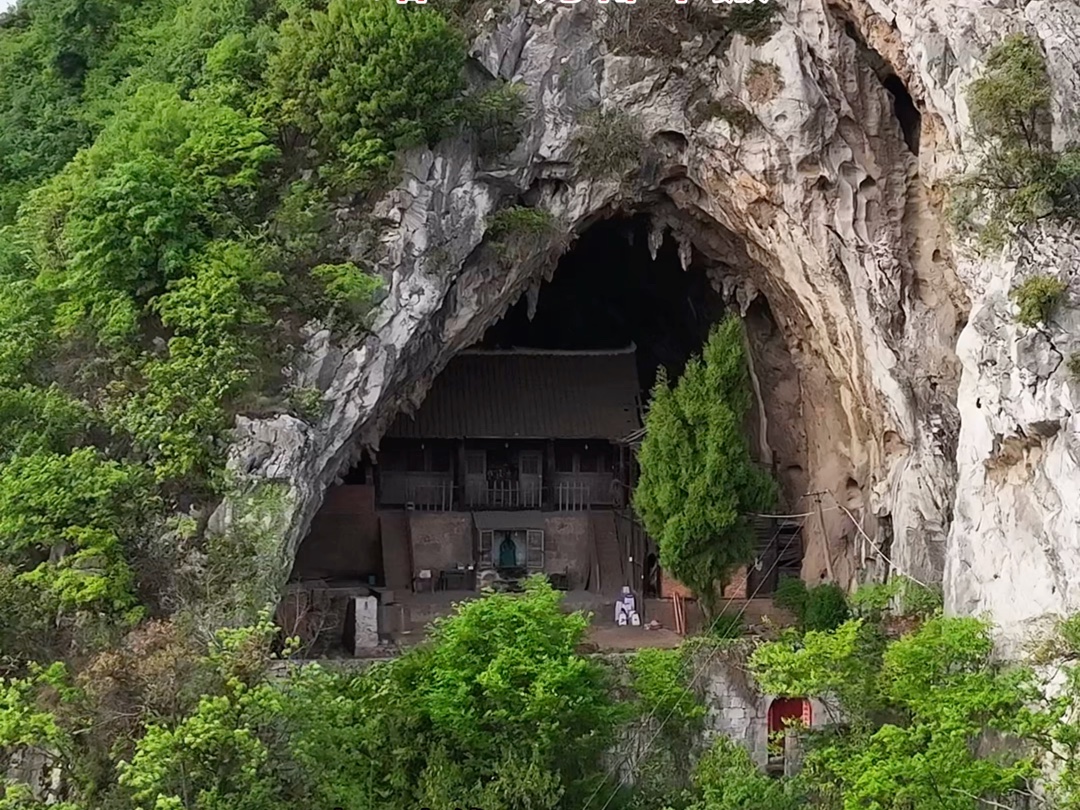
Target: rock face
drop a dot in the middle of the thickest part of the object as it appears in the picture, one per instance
(804, 173)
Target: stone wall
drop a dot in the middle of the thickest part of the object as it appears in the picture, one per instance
(441, 540)
(566, 546)
(344, 536)
(735, 709)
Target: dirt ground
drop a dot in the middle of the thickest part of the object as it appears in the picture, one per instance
(632, 638)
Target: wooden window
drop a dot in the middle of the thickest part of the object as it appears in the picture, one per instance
(475, 462)
(587, 461)
(564, 459)
(487, 538)
(530, 463)
(393, 460)
(534, 549)
(603, 459)
(440, 459)
(414, 459)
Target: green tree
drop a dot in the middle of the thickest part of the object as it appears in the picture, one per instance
(915, 711)
(364, 77)
(727, 779)
(64, 519)
(699, 483)
(497, 710)
(1020, 178)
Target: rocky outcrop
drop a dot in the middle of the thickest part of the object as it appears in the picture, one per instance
(1014, 552)
(804, 171)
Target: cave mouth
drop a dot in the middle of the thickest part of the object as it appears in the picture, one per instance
(521, 459)
(607, 293)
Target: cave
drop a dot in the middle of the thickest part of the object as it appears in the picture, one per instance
(521, 457)
(609, 293)
(905, 110)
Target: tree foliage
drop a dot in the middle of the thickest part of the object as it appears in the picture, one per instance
(698, 482)
(1021, 178)
(498, 709)
(912, 711)
(728, 779)
(1037, 298)
(362, 78)
(163, 230)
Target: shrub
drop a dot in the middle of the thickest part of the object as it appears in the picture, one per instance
(347, 290)
(659, 680)
(730, 110)
(1074, 366)
(728, 626)
(656, 28)
(495, 116)
(1009, 102)
(519, 219)
(755, 21)
(727, 778)
(826, 607)
(518, 231)
(791, 594)
(364, 78)
(1020, 179)
(65, 519)
(1038, 297)
(609, 144)
(307, 403)
(913, 708)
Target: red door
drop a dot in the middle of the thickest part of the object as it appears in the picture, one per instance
(782, 712)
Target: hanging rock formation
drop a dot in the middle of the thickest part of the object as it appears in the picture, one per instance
(808, 168)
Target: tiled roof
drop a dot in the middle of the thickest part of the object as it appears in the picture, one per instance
(528, 394)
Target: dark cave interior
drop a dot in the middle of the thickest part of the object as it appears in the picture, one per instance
(607, 292)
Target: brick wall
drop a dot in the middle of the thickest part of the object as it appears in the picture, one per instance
(736, 587)
(441, 540)
(669, 586)
(343, 541)
(566, 546)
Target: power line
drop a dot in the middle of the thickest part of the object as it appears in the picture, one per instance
(866, 537)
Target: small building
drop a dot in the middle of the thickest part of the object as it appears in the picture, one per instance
(514, 464)
(517, 462)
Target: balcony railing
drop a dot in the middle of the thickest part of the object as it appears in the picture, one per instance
(431, 496)
(503, 495)
(565, 494)
(573, 496)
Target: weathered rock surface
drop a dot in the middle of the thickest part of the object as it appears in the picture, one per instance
(818, 203)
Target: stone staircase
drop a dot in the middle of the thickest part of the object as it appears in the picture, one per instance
(608, 556)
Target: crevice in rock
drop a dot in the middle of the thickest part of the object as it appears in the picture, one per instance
(904, 107)
(905, 110)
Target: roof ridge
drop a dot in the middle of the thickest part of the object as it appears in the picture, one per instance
(526, 352)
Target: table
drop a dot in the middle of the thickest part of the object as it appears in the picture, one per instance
(456, 579)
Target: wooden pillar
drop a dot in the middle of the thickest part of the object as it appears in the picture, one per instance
(458, 494)
(548, 493)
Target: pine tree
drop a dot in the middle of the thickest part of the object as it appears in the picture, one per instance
(698, 482)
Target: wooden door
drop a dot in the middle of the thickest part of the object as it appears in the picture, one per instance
(483, 556)
(476, 486)
(534, 550)
(530, 478)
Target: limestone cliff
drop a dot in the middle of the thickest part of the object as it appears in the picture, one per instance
(807, 168)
